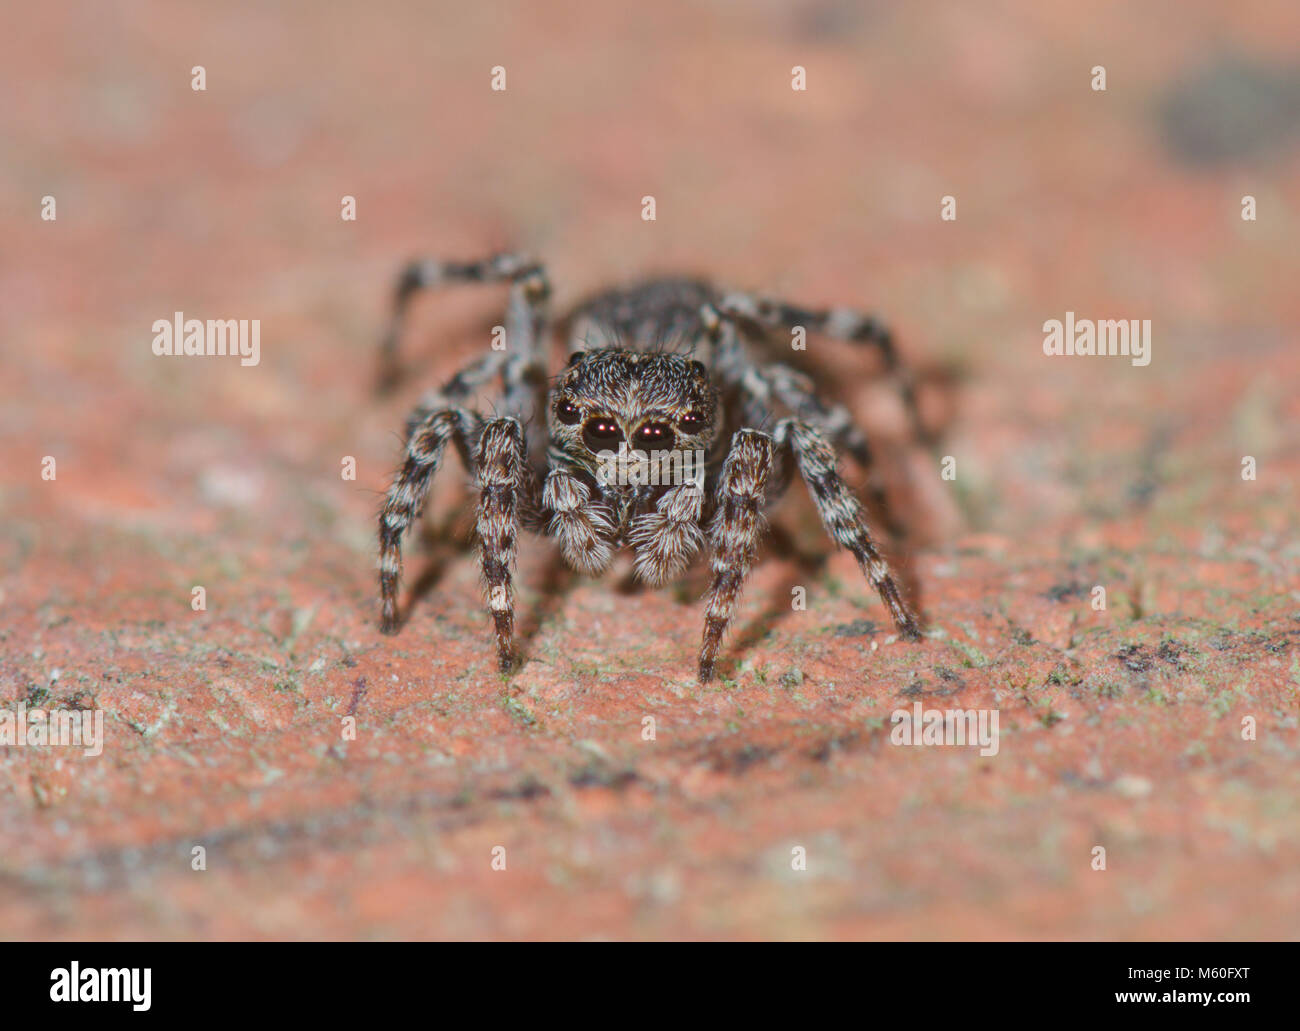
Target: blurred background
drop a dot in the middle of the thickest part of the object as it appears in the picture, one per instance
(1121, 728)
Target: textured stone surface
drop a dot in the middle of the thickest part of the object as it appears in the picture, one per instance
(1120, 728)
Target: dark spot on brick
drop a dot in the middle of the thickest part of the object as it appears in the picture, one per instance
(1172, 651)
(858, 628)
(37, 696)
(739, 761)
(1222, 642)
(1134, 657)
(83, 701)
(601, 775)
(1066, 591)
(1076, 780)
(358, 692)
(829, 20)
(792, 678)
(915, 689)
(1232, 111)
(528, 788)
(823, 752)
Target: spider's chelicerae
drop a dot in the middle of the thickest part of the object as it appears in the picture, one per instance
(665, 369)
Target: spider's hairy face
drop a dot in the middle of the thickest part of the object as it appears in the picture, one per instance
(650, 402)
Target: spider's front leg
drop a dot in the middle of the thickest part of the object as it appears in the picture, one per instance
(841, 514)
(734, 534)
(426, 440)
(504, 482)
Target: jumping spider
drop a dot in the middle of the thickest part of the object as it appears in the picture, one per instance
(667, 365)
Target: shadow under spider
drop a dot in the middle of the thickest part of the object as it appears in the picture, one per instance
(811, 563)
(444, 545)
(451, 540)
(557, 581)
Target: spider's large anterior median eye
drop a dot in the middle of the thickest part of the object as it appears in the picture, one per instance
(653, 436)
(567, 413)
(690, 422)
(602, 433)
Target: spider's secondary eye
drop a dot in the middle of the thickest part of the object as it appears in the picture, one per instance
(653, 436)
(602, 433)
(567, 413)
(690, 422)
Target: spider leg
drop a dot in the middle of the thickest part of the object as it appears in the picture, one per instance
(425, 444)
(584, 528)
(423, 274)
(796, 391)
(840, 323)
(734, 366)
(457, 389)
(503, 482)
(762, 385)
(734, 534)
(841, 514)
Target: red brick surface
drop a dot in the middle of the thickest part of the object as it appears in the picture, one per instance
(1120, 728)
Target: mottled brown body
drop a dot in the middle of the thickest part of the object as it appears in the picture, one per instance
(665, 368)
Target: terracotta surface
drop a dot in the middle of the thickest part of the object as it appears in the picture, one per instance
(1119, 728)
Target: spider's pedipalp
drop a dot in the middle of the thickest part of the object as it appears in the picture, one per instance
(584, 528)
(425, 444)
(669, 537)
(841, 514)
(501, 465)
(737, 527)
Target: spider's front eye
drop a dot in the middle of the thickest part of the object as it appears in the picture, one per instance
(602, 433)
(690, 422)
(653, 436)
(567, 413)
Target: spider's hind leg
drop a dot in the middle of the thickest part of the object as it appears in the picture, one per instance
(527, 276)
(796, 391)
(841, 514)
(841, 324)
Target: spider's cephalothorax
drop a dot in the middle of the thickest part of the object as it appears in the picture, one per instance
(663, 432)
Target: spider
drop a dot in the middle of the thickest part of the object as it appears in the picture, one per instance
(666, 366)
